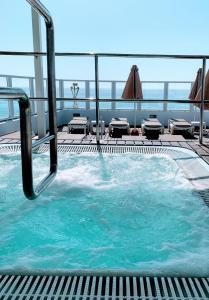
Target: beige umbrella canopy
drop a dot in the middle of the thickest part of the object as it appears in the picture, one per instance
(206, 93)
(196, 85)
(133, 88)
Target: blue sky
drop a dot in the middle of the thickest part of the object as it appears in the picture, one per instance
(119, 26)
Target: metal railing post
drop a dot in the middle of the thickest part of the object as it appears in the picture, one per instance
(32, 94)
(61, 93)
(97, 97)
(165, 96)
(202, 100)
(113, 94)
(87, 93)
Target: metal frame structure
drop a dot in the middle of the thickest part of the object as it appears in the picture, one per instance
(25, 115)
(97, 99)
(27, 146)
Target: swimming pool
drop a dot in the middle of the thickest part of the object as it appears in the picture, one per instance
(134, 210)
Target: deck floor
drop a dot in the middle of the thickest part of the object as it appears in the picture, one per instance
(164, 140)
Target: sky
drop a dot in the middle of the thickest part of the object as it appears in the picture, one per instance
(117, 26)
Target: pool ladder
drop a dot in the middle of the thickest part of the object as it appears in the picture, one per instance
(25, 115)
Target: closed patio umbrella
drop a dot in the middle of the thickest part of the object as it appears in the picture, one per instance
(196, 85)
(195, 88)
(206, 93)
(133, 88)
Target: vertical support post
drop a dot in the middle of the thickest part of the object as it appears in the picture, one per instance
(165, 96)
(202, 100)
(51, 84)
(61, 93)
(39, 82)
(32, 94)
(87, 93)
(97, 97)
(113, 94)
(10, 102)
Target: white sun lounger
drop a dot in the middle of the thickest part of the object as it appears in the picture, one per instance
(79, 123)
(119, 125)
(180, 125)
(152, 126)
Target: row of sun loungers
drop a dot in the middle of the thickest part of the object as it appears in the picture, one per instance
(149, 126)
(174, 126)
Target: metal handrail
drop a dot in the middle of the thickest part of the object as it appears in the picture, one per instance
(92, 80)
(52, 137)
(128, 55)
(25, 115)
(26, 144)
(179, 101)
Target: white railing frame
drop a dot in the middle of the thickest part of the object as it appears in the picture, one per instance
(87, 86)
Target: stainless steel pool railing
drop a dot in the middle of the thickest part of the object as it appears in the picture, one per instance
(41, 10)
(27, 146)
(25, 116)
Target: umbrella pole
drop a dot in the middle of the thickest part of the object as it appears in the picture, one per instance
(135, 115)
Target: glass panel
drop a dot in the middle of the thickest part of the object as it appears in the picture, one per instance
(179, 91)
(105, 93)
(152, 91)
(16, 109)
(3, 82)
(4, 111)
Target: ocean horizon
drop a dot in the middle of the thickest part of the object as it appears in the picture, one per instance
(105, 94)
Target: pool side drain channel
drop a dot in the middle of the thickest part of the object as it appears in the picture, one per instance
(108, 149)
(102, 287)
(94, 149)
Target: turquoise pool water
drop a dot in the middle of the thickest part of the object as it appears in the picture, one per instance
(104, 211)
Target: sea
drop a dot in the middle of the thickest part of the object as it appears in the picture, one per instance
(175, 94)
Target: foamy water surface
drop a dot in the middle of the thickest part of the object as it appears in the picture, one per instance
(104, 211)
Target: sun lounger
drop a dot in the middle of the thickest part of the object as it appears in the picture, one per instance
(152, 126)
(119, 126)
(79, 123)
(180, 125)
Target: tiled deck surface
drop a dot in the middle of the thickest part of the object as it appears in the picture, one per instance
(164, 140)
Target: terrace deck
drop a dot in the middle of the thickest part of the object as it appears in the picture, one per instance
(164, 140)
